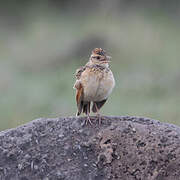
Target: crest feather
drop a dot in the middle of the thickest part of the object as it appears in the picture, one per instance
(99, 51)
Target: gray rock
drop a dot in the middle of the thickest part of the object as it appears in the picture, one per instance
(121, 148)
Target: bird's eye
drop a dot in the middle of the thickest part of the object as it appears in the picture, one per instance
(97, 57)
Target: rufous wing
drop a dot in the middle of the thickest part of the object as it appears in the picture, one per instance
(79, 97)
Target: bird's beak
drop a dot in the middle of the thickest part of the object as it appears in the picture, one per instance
(108, 59)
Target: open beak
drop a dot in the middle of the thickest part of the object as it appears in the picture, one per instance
(107, 60)
(108, 57)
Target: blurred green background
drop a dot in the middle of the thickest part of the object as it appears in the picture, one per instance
(43, 42)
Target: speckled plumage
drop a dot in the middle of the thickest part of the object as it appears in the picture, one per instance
(94, 82)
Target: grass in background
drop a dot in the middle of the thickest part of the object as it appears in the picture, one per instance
(37, 66)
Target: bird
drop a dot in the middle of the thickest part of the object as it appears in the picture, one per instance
(94, 83)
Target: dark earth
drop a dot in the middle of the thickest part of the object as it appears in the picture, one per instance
(121, 148)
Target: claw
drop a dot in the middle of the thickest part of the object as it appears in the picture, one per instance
(88, 120)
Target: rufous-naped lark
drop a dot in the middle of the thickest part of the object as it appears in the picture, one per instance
(94, 83)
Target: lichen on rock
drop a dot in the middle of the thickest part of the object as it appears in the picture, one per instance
(64, 148)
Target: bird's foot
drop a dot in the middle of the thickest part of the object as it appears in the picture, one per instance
(88, 120)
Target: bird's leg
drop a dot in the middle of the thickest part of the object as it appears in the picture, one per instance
(88, 117)
(98, 114)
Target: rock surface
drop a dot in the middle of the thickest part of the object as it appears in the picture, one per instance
(121, 148)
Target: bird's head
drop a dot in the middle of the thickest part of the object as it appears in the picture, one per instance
(99, 57)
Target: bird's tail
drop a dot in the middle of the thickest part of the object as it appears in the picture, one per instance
(97, 105)
(83, 106)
